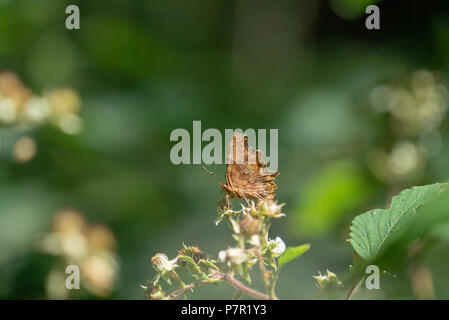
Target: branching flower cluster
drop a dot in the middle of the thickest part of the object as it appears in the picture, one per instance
(20, 107)
(253, 249)
(91, 247)
(21, 111)
(416, 109)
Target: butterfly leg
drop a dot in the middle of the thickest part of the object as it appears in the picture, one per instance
(247, 201)
(227, 200)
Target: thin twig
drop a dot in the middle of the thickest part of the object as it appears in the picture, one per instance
(219, 276)
(240, 286)
(238, 294)
(273, 284)
(181, 291)
(355, 288)
(263, 270)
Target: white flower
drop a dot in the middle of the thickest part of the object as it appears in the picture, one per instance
(222, 255)
(269, 208)
(279, 246)
(161, 263)
(36, 110)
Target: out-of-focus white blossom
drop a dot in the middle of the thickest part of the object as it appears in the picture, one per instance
(19, 106)
(70, 124)
(55, 285)
(417, 108)
(24, 149)
(99, 270)
(91, 247)
(8, 110)
(36, 110)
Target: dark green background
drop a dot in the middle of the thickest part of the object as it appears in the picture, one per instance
(144, 68)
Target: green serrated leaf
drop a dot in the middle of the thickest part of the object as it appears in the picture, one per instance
(372, 231)
(292, 253)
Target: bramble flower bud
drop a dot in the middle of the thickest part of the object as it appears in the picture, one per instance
(269, 208)
(161, 263)
(157, 294)
(255, 240)
(153, 291)
(328, 281)
(233, 255)
(194, 252)
(224, 205)
(249, 225)
(267, 275)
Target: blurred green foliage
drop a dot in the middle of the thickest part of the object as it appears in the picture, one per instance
(144, 68)
(329, 196)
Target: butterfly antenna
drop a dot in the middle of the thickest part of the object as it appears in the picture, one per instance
(211, 173)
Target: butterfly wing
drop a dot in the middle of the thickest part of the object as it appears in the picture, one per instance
(247, 175)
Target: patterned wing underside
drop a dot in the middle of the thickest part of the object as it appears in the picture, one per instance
(247, 175)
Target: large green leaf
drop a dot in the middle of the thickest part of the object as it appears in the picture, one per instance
(292, 253)
(372, 231)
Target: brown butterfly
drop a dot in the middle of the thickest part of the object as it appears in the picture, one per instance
(247, 175)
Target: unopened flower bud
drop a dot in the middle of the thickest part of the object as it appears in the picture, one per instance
(233, 255)
(224, 205)
(153, 292)
(267, 274)
(249, 225)
(193, 252)
(157, 294)
(255, 240)
(328, 281)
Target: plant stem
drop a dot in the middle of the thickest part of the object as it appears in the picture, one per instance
(273, 284)
(181, 291)
(263, 271)
(240, 286)
(172, 274)
(238, 294)
(355, 288)
(219, 276)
